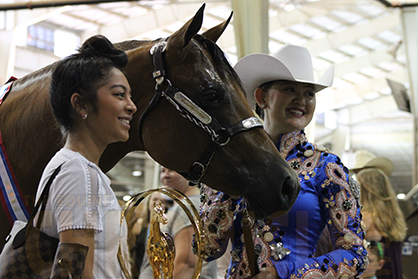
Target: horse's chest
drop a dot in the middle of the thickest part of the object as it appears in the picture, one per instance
(158, 245)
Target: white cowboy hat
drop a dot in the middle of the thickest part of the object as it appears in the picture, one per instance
(290, 62)
(365, 159)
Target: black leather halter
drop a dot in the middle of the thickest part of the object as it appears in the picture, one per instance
(220, 136)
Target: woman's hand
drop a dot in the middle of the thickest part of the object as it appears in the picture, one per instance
(267, 273)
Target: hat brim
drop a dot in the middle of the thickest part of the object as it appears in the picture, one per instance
(257, 69)
(379, 162)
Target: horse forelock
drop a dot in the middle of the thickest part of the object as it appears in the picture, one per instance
(217, 54)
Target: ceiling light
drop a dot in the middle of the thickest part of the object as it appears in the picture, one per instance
(352, 50)
(389, 36)
(326, 23)
(355, 101)
(330, 119)
(373, 72)
(370, 43)
(386, 91)
(136, 173)
(308, 31)
(284, 36)
(401, 196)
(371, 9)
(347, 15)
(355, 78)
(390, 66)
(371, 96)
(334, 56)
(289, 7)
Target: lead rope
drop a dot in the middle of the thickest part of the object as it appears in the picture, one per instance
(249, 244)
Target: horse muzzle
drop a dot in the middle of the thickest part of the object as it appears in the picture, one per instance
(278, 202)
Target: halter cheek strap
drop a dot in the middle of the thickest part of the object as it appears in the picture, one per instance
(220, 135)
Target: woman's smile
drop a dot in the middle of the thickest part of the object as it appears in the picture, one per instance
(125, 121)
(296, 112)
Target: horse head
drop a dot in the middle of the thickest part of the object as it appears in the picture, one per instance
(215, 126)
(158, 215)
(207, 119)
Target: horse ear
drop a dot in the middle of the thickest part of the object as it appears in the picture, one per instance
(183, 36)
(214, 33)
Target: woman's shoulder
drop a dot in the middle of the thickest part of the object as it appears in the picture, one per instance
(75, 160)
(329, 157)
(67, 157)
(333, 172)
(73, 165)
(64, 158)
(325, 152)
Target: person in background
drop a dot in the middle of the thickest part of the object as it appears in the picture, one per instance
(384, 219)
(285, 90)
(91, 100)
(181, 229)
(375, 251)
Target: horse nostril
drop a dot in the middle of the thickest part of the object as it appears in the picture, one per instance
(290, 190)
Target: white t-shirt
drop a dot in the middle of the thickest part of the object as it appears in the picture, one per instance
(80, 197)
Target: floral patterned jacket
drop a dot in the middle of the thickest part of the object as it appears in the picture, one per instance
(328, 197)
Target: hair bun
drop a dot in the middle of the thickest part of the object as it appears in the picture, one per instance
(100, 46)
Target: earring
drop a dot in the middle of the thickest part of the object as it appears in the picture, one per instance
(263, 106)
(84, 117)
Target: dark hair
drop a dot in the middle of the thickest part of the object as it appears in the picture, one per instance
(265, 87)
(83, 73)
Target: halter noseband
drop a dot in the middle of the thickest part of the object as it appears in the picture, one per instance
(220, 136)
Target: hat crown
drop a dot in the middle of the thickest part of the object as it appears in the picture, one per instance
(298, 60)
(366, 159)
(291, 62)
(363, 157)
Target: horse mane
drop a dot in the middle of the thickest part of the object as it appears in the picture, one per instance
(39, 73)
(132, 44)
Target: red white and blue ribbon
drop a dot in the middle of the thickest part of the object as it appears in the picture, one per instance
(6, 88)
(10, 195)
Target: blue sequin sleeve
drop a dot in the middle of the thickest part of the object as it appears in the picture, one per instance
(328, 197)
(339, 204)
(220, 214)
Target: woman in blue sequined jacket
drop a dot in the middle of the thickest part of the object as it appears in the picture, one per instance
(284, 246)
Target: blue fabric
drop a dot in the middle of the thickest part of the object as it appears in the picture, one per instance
(328, 197)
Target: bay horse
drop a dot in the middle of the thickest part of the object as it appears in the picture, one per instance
(246, 164)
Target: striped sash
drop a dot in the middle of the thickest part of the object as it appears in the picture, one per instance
(11, 197)
(6, 88)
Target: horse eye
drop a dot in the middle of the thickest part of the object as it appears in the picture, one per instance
(212, 96)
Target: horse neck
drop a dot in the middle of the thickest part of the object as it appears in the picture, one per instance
(155, 231)
(138, 73)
